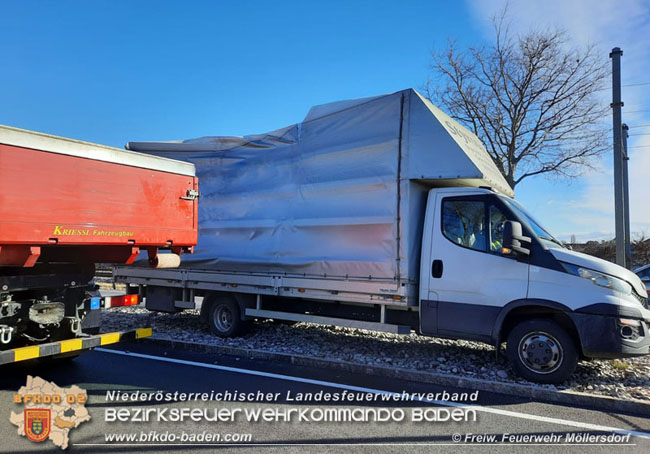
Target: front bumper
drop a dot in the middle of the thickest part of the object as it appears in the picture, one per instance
(603, 336)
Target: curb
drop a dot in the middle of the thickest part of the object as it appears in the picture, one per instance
(513, 389)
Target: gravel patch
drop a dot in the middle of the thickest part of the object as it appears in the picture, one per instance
(623, 379)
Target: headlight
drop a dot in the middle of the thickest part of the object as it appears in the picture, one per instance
(600, 279)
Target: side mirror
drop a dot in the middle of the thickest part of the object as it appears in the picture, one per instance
(513, 237)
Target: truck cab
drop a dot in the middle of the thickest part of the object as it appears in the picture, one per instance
(490, 272)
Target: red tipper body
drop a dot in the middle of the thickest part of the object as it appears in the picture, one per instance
(64, 200)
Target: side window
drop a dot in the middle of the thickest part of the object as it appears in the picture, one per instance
(463, 222)
(497, 222)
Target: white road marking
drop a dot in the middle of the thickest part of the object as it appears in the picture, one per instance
(496, 411)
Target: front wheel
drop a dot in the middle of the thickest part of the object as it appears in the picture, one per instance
(542, 351)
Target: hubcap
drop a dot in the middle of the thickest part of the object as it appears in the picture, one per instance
(222, 318)
(540, 352)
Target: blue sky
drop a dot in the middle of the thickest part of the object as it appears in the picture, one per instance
(118, 71)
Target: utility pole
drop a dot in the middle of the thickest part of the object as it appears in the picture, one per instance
(619, 201)
(626, 195)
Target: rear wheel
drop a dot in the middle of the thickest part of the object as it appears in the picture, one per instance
(542, 351)
(224, 318)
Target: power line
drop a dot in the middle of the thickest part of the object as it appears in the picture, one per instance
(625, 112)
(636, 113)
(640, 84)
(641, 134)
(636, 85)
(640, 146)
(638, 126)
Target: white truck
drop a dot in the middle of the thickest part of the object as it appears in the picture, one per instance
(384, 213)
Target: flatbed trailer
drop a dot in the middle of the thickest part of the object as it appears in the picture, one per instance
(388, 306)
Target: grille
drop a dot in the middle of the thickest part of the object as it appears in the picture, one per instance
(642, 300)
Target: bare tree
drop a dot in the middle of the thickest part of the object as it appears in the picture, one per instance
(532, 99)
(641, 249)
(605, 250)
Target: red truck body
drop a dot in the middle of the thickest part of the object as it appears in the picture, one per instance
(63, 200)
(66, 205)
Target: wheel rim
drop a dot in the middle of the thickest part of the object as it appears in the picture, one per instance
(222, 317)
(540, 352)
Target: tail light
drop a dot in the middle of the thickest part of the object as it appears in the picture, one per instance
(117, 301)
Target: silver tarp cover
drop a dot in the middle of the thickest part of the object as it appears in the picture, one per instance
(321, 197)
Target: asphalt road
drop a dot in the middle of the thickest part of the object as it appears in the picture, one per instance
(147, 368)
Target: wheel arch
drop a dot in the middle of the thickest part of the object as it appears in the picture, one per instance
(526, 309)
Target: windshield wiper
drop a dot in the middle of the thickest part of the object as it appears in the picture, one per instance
(552, 240)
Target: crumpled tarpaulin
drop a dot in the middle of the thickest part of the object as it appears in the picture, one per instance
(341, 194)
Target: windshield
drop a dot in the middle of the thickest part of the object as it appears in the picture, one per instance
(539, 231)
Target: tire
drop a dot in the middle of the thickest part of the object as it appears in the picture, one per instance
(224, 318)
(542, 351)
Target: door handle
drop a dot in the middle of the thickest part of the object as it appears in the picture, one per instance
(436, 269)
(192, 194)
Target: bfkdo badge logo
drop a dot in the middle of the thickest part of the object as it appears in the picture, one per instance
(37, 423)
(46, 411)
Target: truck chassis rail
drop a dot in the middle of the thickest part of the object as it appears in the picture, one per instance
(71, 345)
